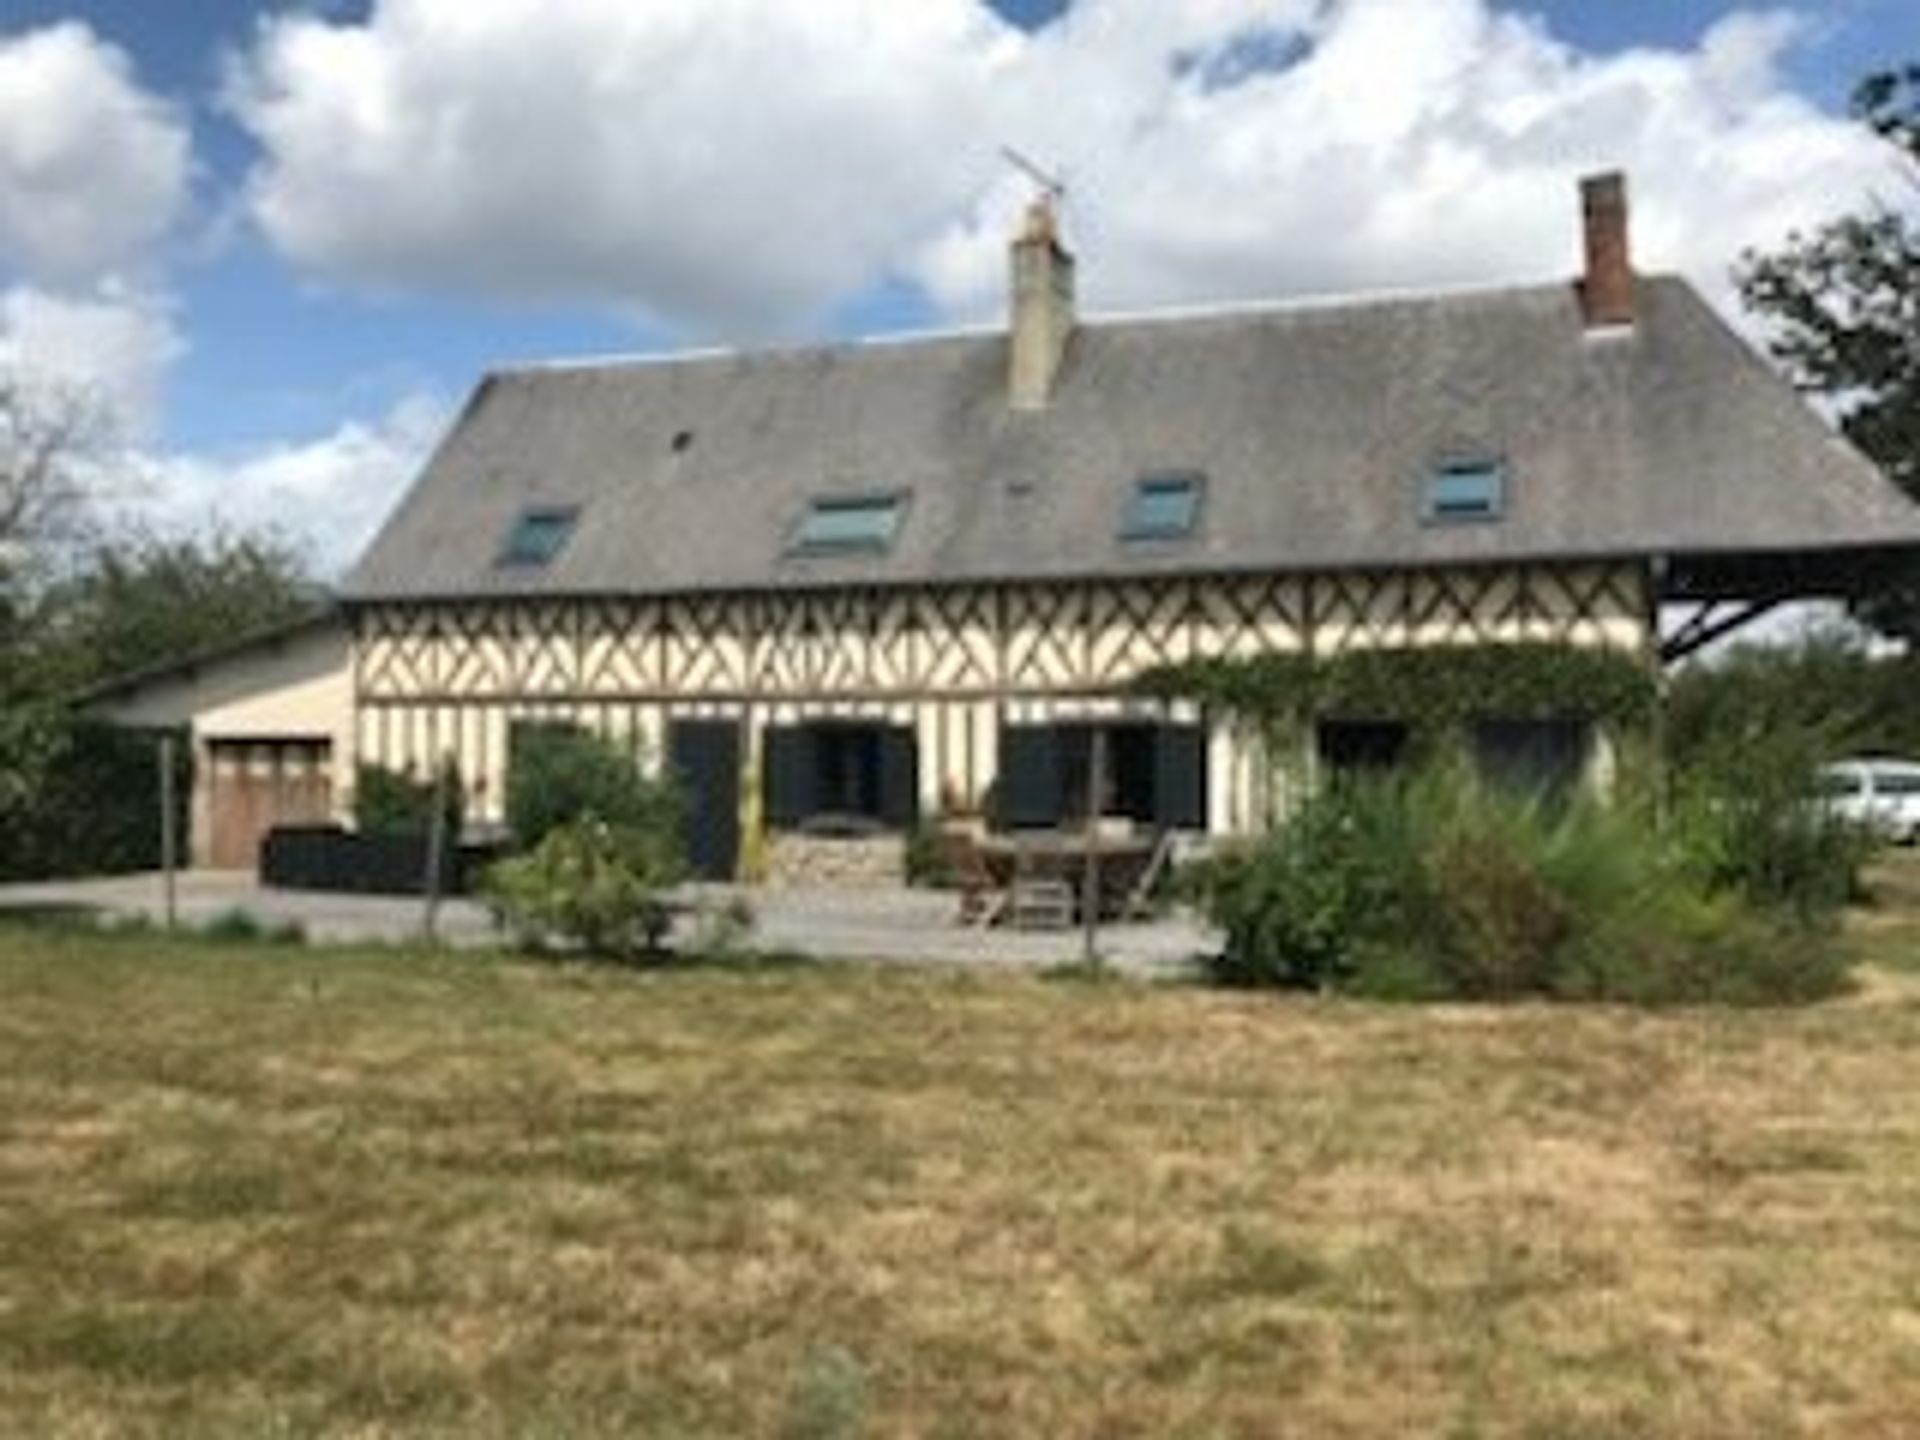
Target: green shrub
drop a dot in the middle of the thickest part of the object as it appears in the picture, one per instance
(238, 925)
(1750, 822)
(1498, 922)
(1437, 888)
(558, 773)
(592, 885)
(81, 797)
(394, 802)
(1301, 906)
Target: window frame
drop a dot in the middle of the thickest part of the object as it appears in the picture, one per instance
(895, 503)
(514, 554)
(1435, 511)
(1191, 483)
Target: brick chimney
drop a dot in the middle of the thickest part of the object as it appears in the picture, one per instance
(1606, 290)
(1042, 302)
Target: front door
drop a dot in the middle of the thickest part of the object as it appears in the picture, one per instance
(705, 757)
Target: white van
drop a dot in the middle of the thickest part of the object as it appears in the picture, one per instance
(1883, 795)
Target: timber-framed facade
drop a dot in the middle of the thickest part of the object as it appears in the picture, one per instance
(955, 665)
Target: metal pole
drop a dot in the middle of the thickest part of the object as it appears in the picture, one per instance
(1090, 877)
(436, 849)
(168, 861)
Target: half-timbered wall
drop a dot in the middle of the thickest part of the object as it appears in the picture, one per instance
(953, 663)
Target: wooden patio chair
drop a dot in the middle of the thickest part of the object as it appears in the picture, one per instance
(1139, 901)
(983, 900)
(1038, 901)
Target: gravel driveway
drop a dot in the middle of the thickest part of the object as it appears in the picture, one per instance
(911, 925)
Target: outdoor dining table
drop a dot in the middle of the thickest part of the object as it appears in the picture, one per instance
(1062, 855)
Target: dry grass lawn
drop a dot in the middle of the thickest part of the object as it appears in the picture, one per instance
(257, 1192)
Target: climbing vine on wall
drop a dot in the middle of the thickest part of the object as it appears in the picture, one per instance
(1432, 689)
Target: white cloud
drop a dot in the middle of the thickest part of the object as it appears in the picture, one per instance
(114, 343)
(93, 169)
(330, 494)
(1425, 143)
(733, 165)
(741, 168)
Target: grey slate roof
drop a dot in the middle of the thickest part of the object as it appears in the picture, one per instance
(1313, 425)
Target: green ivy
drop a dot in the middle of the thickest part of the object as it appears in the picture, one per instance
(1430, 689)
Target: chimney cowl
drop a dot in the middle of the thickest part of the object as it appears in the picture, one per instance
(1607, 288)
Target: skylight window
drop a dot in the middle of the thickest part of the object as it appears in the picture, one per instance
(539, 534)
(1461, 491)
(842, 524)
(1163, 507)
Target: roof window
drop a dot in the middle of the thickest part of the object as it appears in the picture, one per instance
(539, 533)
(1465, 490)
(1163, 506)
(835, 525)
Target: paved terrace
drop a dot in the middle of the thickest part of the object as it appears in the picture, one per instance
(905, 925)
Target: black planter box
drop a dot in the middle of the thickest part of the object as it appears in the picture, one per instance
(326, 857)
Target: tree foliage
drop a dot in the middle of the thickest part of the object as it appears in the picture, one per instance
(135, 601)
(1843, 305)
(81, 602)
(50, 438)
(1431, 689)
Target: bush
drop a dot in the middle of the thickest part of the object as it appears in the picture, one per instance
(238, 925)
(393, 802)
(592, 885)
(1436, 888)
(1301, 907)
(1751, 823)
(558, 773)
(80, 797)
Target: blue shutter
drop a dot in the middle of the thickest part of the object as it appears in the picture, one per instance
(899, 778)
(1180, 778)
(789, 775)
(1029, 776)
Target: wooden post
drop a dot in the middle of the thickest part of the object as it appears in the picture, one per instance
(169, 862)
(1090, 877)
(436, 852)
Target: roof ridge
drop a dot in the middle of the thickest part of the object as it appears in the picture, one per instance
(1156, 315)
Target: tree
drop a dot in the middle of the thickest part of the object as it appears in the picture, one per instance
(1844, 307)
(49, 436)
(134, 601)
(80, 603)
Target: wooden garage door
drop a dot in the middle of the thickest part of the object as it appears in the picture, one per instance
(254, 785)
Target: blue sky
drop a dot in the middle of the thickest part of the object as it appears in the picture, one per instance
(326, 299)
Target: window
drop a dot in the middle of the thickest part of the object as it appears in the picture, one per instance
(841, 776)
(853, 523)
(1896, 782)
(1360, 747)
(1465, 490)
(1162, 507)
(1544, 759)
(538, 534)
(1153, 774)
(1842, 783)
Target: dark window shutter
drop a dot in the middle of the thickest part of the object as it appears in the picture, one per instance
(1180, 778)
(789, 774)
(1029, 775)
(899, 777)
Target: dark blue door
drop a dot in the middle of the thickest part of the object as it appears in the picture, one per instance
(705, 756)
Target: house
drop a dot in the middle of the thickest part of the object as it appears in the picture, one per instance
(842, 587)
